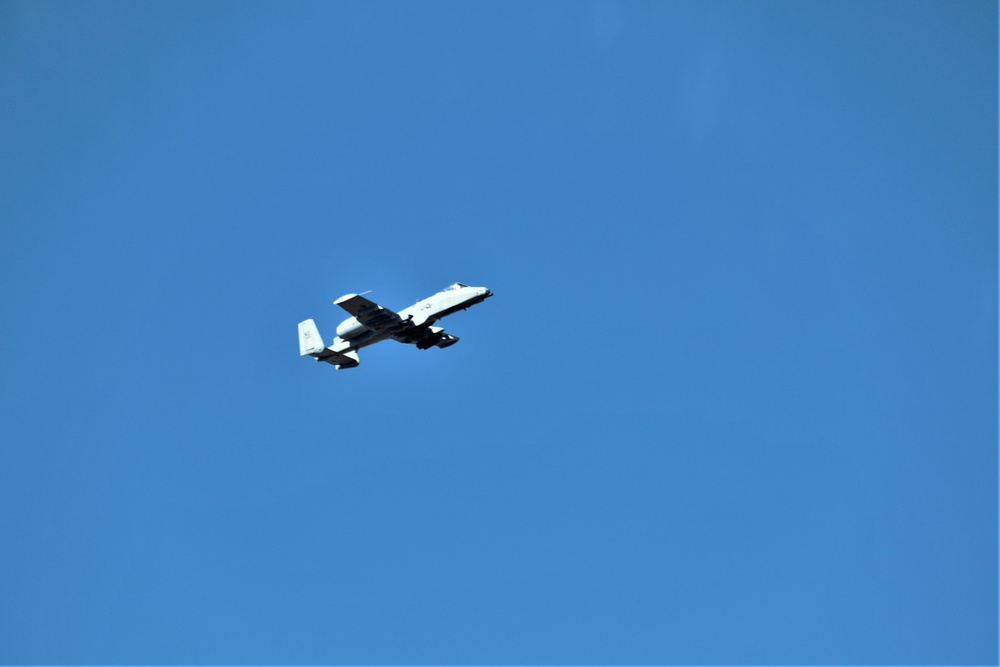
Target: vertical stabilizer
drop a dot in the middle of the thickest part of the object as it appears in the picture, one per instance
(309, 340)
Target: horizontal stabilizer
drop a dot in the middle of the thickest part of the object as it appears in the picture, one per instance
(346, 359)
(311, 344)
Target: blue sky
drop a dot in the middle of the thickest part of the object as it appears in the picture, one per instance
(734, 402)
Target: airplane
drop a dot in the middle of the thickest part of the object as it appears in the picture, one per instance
(371, 323)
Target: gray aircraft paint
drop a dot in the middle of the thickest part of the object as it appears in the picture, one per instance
(371, 323)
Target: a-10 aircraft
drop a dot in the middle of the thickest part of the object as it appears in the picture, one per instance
(371, 323)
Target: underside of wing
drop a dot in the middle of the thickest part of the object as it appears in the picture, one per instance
(425, 337)
(373, 316)
(384, 321)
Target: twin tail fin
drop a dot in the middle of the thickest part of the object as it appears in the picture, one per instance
(310, 343)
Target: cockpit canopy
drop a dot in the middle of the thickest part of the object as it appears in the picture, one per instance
(454, 286)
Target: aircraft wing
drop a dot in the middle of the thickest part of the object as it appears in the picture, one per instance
(381, 319)
(372, 315)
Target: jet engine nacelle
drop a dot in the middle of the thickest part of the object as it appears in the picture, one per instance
(350, 328)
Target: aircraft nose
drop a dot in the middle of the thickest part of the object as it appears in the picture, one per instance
(485, 292)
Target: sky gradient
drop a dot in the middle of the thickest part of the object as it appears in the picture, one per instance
(734, 400)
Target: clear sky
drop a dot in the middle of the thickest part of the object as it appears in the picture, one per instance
(734, 399)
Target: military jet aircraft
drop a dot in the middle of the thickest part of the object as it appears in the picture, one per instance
(371, 323)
